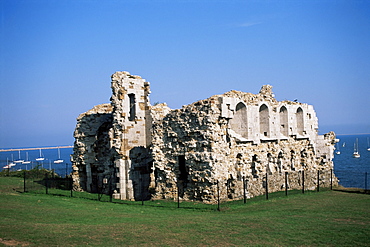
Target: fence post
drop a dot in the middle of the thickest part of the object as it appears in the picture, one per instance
(24, 181)
(331, 179)
(46, 183)
(302, 181)
(267, 187)
(178, 194)
(365, 182)
(99, 188)
(286, 183)
(71, 185)
(110, 188)
(318, 180)
(218, 196)
(244, 196)
(141, 189)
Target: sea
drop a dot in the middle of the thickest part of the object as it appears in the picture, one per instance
(50, 155)
(351, 172)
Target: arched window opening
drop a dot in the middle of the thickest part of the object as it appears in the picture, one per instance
(283, 114)
(292, 160)
(280, 161)
(269, 165)
(230, 186)
(264, 120)
(304, 156)
(183, 170)
(254, 166)
(183, 175)
(239, 122)
(300, 121)
(238, 167)
(132, 107)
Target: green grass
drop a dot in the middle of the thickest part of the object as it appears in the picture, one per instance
(330, 218)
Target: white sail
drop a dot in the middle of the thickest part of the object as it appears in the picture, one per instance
(26, 161)
(356, 154)
(40, 158)
(59, 160)
(19, 160)
(338, 151)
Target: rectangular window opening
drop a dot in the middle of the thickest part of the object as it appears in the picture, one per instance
(132, 113)
(182, 169)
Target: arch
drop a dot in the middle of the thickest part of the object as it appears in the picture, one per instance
(283, 115)
(264, 120)
(269, 165)
(300, 121)
(230, 187)
(239, 122)
(280, 161)
(238, 166)
(183, 174)
(304, 156)
(254, 165)
(292, 160)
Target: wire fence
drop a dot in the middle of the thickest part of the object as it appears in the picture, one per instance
(353, 179)
(46, 182)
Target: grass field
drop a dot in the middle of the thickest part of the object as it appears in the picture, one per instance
(328, 218)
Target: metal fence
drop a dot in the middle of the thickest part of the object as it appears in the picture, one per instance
(353, 179)
(46, 182)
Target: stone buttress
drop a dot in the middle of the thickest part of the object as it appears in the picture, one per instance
(131, 133)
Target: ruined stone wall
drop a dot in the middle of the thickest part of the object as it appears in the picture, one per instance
(199, 145)
(232, 141)
(261, 117)
(185, 135)
(92, 147)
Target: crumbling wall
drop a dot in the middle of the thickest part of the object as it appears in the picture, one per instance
(182, 150)
(235, 142)
(91, 156)
(197, 148)
(131, 134)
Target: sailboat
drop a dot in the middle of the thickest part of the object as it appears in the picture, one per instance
(368, 146)
(19, 160)
(338, 151)
(40, 158)
(356, 154)
(58, 161)
(26, 161)
(8, 165)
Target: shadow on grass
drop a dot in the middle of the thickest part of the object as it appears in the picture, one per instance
(188, 205)
(353, 190)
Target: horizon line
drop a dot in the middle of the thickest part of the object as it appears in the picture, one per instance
(24, 149)
(352, 134)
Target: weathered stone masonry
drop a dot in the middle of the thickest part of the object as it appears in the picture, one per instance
(156, 152)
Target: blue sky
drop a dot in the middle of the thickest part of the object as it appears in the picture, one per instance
(56, 58)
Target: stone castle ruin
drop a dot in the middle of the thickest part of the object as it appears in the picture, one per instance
(134, 150)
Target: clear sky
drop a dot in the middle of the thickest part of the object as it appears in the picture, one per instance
(56, 58)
